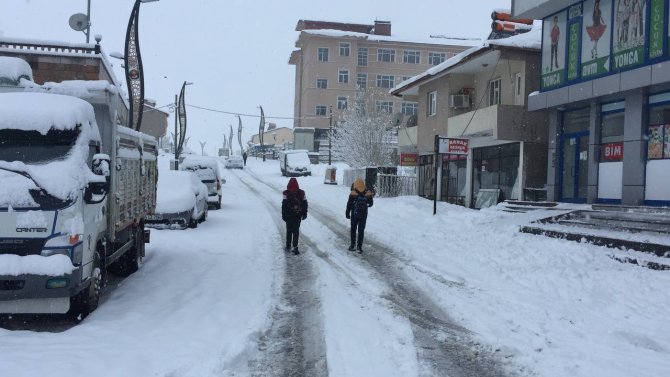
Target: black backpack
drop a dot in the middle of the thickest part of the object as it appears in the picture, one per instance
(294, 204)
(360, 206)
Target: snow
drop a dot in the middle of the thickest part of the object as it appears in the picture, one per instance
(42, 112)
(205, 296)
(394, 38)
(14, 69)
(14, 265)
(175, 192)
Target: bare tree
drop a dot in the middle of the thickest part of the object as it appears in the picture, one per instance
(364, 134)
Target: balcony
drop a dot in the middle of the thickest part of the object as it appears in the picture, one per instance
(538, 9)
(502, 122)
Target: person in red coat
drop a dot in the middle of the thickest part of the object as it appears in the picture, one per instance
(293, 211)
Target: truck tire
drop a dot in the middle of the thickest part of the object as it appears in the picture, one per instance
(86, 301)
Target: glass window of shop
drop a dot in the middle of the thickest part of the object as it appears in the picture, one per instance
(611, 131)
(658, 131)
(426, 172)
(454, 169)
(497, 167)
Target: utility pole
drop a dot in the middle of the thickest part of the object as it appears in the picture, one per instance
(330, 135)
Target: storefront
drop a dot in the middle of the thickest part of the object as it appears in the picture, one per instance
(497, 167)
(606, 83)
(454, 178)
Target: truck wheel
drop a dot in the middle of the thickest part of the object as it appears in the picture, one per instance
(86, 301)
(132, 260)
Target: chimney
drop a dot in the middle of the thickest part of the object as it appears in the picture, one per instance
(382, 28)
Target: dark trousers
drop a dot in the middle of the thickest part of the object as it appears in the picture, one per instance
(357, 224)
(292, 233)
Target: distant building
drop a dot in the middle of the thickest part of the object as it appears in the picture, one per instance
(333, 60)
(60, 61)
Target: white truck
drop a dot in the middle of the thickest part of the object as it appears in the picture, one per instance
(76, 187)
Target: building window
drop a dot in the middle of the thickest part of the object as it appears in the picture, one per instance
(362, 57)
(344, 48)
(322, 83)
(611, 131)
(409, 108)
(385, 106)
(494, 92)
(405, 78)
(341, 103)
(320, 110)
(385, 55)
(343, 76)
(322, 53)
(411, 57)
(658, 142)
(361, 80)
(435, 58)
(384, 81)
(432, 103)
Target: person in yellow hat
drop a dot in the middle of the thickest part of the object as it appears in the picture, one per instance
(360, 199)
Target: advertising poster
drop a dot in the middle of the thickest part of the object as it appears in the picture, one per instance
(596, 37)
(655, 144)
(554, 36)
(656, 28)
(666, 143)
(574, 41)
(629, 33)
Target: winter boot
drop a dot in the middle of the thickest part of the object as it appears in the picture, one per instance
(360, 249)
(287, 248)
(351, 248)
(295, 250)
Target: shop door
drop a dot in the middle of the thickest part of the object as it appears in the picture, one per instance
(574, 167)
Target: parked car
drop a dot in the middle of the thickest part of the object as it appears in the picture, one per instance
(235, 162)
(207, 169)
(181, 201)
(294, 163)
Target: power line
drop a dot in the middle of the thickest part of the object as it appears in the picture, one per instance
(252, 115)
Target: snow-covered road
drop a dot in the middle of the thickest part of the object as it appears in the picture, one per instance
(458, 294)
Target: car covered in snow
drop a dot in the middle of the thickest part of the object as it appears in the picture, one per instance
(235, 162)
(293, 163)
(207, 169)
(181, 202)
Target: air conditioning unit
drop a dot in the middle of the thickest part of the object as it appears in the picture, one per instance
(459, 101)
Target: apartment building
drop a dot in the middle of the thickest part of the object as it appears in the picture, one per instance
(605, 82)
(333, 60)
(476, 102)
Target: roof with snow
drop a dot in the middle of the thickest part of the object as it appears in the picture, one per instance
(437, 40)
(531, 40)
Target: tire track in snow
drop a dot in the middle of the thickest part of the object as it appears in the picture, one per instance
(294, 345)
(443, 347)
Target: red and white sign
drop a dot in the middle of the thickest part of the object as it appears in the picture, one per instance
(453, 146)
(409, 159)
(612, 151)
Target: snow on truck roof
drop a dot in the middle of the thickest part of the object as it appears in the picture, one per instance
(42, 112)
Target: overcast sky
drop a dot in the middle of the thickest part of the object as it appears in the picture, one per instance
(234, 51)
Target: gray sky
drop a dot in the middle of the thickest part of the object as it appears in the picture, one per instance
(234, 51)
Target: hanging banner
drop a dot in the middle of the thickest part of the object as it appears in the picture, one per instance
(181, 114)
(629, 34)
(596, 38)
(134, 72)
(239, 132)
(656, 26)
(553, 50)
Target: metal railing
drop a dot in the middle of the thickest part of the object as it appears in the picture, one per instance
(389, 185)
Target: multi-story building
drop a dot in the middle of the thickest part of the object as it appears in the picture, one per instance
(476, 102)
(334, 60)
(605, 82)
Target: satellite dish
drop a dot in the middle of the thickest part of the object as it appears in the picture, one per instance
(78, 22)
(397, 119)
(411, 121)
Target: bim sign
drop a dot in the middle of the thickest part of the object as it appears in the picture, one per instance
(612, 151)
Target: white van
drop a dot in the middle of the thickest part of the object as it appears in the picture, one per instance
(294, 163)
